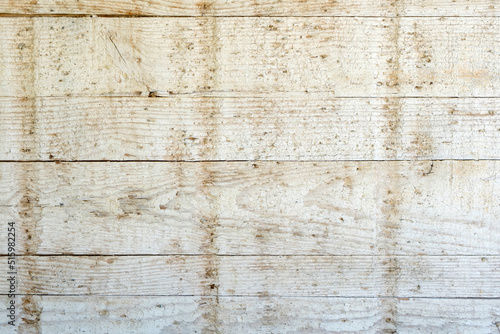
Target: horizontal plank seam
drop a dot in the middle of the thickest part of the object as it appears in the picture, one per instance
(256, 296)
(257, 255)
(243, 161)
(274, 95)
(12, 15)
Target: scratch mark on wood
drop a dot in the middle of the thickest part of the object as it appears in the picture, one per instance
(111, 39)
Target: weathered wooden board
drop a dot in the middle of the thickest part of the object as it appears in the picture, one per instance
(482, 8)
(360, 276)
(58, 56)
(155, 315)
(356, 276)
(247, 56)
(448, 56)
(304, 127)
(341, 208)
(201, 7)
(255, 196)
(254, 8)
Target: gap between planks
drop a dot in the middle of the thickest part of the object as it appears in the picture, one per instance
(246, 255)
(241, 16)
(57, 161)
(254, 296)
(207, 95)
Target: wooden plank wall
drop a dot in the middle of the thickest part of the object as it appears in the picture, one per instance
(322, 166)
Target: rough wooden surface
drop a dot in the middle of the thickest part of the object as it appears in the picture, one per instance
(311, 126)
(253, 8)
(336, 208)
(244, 56)
(356, 276)
(186, 314)
(272, 167)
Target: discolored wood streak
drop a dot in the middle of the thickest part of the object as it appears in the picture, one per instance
(30, 317)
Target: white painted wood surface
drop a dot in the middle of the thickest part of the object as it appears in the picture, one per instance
(311, 126)
(244, 56)
(264, 166)
(308, 276)
(186, 314)
(483, 8)
(307, 208)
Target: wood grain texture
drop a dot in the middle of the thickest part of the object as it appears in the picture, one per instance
(311, 126)
(245, 56)
(157, 315)
(452, 56)
(333, 276)
(201, 7)
(134, 56)
(481, 8)
(336, 208)
(254, 8)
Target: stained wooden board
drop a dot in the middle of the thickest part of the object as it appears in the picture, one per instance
(482, 8)
(201, 7)
(245, 56)
(58, 56)
(354, 276)
(155, 315)
(303, 127)
(339, 208)
(360, 276)
(448, 56)
(254, 8)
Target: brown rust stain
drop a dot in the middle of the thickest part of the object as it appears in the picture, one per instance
(387, 238)
(392, 105)
(426, 75)
(206, 148)
(28, 208)
(211, 48)
(390, 189)
(202, 143)
(205, 7)
(422, 145)
(26, 60)
(393, 128)
(209, 224)
(30, 315)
